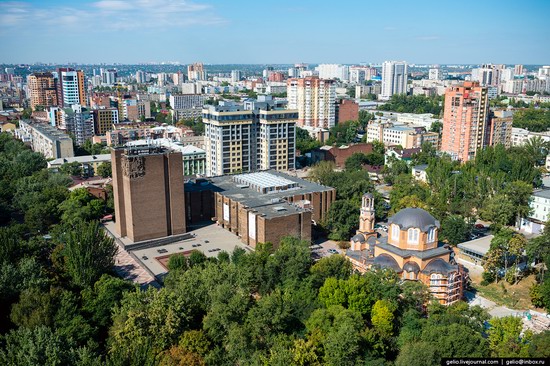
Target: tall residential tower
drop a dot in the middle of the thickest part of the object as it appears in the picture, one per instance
(394, 78)
(465, 121)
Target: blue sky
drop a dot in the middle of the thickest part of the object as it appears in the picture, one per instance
(282, 31)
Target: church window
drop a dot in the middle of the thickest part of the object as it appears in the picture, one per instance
(431, 235)
(435, 279)
(413, 236)
(395, 232)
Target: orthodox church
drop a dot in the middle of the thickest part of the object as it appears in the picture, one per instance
(411, 249)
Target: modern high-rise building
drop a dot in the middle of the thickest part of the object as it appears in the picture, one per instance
(104, 119)
(141, 77)
(518, 70)
(488, 74)
(245, 138)
(314, 99)
(465, 120)
(71, 87)
(394, 78)
(108, 76)
(236, 75)
(42, 90)
(148, 192)
(435, 74)
(196, 71)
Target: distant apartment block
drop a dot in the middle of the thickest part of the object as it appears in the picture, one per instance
(314, 98)
(394, 78)
(148, 192)
(465, 121)
(78, 122)
(500, 128)
(104, 119)
(196, 71)
(186, 106)
(45, 139)
(42, 89)
(405, 136)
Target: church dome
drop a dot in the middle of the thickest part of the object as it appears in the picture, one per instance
(414, 218)
(411, 267)
(386, 261)
(359, 238)
(439, 266)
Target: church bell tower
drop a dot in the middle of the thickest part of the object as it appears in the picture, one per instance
(366, 218)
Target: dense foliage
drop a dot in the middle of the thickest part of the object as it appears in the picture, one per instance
(534, 120)
(304, 142)
(402, 103)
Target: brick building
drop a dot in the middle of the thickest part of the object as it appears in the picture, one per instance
(259, 207)
(148, 192)
(346, 110)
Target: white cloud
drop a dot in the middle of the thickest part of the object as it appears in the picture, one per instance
(109, 15)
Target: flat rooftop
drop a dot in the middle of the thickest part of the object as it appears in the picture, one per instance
(271, 204)
(479, 246)
(211, 240)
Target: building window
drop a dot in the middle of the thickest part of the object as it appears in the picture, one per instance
(395, 232)
(435, 279)
(431, 235)
(413, 236)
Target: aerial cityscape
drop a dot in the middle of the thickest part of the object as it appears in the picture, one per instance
(291, 183)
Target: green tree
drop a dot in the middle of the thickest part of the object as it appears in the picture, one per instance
(454, 229)
(505, 338)
(104, 170)
(87, 252)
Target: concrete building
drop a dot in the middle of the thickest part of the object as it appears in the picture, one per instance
(186, 106)
(314, 98)
(259, 207)
(104, 119)
(500, 128)
(45, 139)
(394, 79)
(244, 138)
(435, 74)
(71, 87)
(78, 122)
(42, 90)
(236, 76)
(88, 163)
(518, 70)
(393, 134)
(148, 192)
(333, 71)
(419, 172)
(465, 121)
(346, 110)
(540, 212)
(196, 71)
(411, 249)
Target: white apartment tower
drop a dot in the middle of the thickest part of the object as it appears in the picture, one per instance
(394, 78)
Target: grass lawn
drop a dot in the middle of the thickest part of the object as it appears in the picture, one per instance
(512, 296)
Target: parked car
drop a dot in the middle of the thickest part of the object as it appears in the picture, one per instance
(332, 251)
(479, 226)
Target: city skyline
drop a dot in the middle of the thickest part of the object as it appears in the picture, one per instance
(246, 32)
